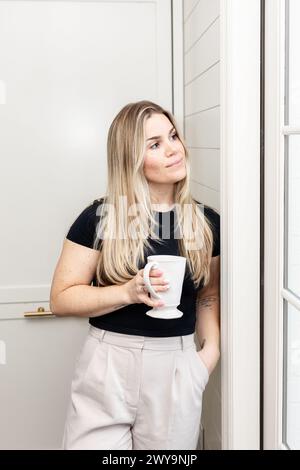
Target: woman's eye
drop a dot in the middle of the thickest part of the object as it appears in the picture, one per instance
(153, 146)
(174, 135)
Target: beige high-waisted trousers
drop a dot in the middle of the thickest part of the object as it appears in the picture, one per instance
(135, 392)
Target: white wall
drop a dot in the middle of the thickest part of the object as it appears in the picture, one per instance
(202, 134)
(202, 96)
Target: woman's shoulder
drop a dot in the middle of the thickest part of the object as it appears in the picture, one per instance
(214, 218)
(98, 202)
(83, 228)
(90, 212)
(93, 210)
(209, 212)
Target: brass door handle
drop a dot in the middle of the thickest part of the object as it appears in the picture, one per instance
(40, 312)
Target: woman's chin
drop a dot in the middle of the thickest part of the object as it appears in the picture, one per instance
(179, 176)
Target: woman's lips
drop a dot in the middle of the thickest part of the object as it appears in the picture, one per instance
(177, 162)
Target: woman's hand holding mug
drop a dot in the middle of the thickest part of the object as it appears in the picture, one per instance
(138, 293)
(174, 268)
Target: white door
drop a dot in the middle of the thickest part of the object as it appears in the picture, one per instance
(282, 238)
(66, 69)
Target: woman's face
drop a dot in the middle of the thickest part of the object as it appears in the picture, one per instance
(163, 151)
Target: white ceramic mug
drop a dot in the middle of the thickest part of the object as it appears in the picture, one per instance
(173, 268)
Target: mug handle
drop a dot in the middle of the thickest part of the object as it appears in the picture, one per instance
(147, 269)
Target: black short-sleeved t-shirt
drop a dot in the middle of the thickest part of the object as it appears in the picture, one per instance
(132, 319)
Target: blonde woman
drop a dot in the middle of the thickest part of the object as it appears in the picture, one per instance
(139, 380)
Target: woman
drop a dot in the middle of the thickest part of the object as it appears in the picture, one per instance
(139, 380)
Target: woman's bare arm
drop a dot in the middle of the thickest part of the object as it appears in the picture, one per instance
(71, 292)
(208, 316)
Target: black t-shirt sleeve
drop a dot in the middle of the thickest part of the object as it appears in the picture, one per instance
(214, 218)
(83, 229)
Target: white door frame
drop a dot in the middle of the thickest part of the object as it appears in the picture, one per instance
(240, 222)
(274, 223)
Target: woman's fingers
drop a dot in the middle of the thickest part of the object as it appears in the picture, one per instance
(153, 302)
(159, 284)
(157, 278)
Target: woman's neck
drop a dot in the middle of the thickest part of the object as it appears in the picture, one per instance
(162, 195)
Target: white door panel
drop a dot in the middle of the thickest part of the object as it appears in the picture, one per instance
(35, 379)
(66, 69)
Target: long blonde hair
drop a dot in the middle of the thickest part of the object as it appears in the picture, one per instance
(120, 255)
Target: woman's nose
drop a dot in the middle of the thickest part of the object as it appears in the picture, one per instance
(171, 148)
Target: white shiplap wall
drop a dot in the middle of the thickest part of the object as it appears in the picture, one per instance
(202, 135)
(202, 97)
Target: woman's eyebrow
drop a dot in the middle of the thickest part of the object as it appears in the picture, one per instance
(156, 137)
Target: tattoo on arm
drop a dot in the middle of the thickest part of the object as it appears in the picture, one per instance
(207, 302)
